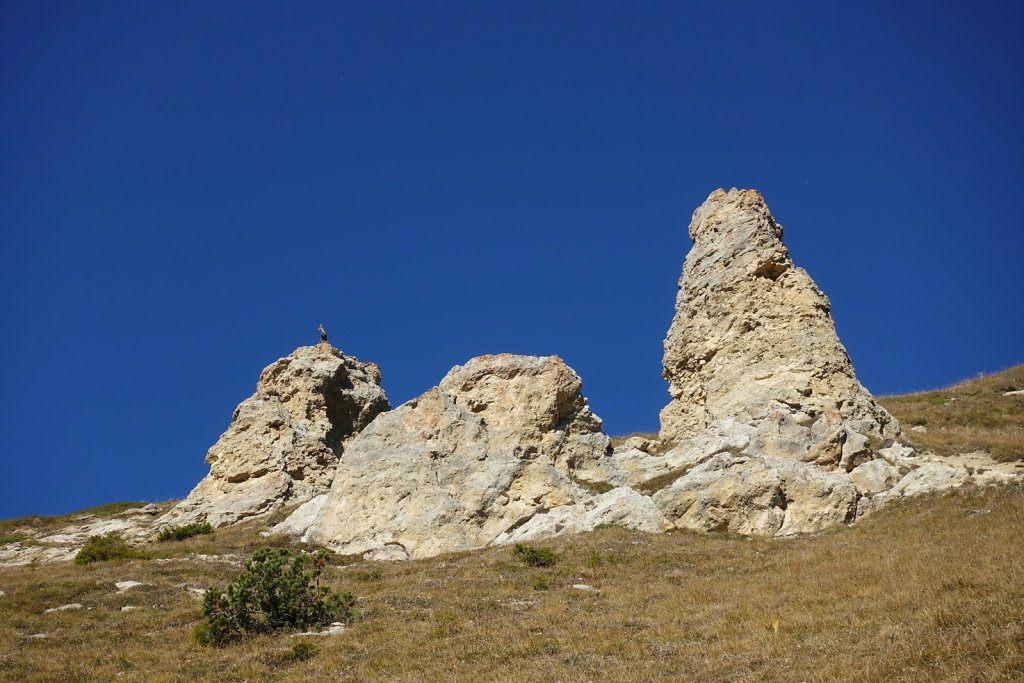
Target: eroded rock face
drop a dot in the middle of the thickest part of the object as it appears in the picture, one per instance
(284, 441)
(771, 496)
(498, 441)
(753, 340)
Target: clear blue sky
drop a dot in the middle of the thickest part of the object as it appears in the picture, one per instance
(187, 189)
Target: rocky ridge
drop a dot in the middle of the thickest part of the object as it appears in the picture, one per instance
(767, 432)
(498, 441)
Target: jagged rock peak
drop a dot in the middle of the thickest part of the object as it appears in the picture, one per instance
(753, 339)
(283, 444)
(733, 209)
(498, 441)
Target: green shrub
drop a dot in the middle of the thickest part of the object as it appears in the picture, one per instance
(301, 652)
(541, 583)
(269, 595)
(107, 547)
(202, 633)
(180, 533)
(535, 557)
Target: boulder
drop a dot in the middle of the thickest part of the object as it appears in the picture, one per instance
(874, 476)
(284, 442)
(497, 442)
(619, 507)
(769, 496)
(632, 467)
(753, 339)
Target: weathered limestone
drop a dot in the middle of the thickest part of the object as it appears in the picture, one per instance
(752, 339)
(284, 441)
(498, 441)
(765, 496)
(621, 506)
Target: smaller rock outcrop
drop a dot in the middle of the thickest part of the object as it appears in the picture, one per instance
(284, 441)
(497, 442)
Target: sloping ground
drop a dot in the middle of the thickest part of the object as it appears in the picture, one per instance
(41, 525)
(981, 414)
(929, 589)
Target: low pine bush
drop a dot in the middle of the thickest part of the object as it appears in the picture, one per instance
(301, 652)
(107, 547)
(271, 595)
(535, 557)
(180, 533)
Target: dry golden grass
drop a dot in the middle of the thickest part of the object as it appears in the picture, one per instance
(974, 415)
(931, 589)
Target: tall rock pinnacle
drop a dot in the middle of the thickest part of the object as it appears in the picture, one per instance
(753, 339)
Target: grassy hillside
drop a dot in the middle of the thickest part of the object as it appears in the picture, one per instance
(975, 415)
(932, 589)
(25, 528)
(928, 589)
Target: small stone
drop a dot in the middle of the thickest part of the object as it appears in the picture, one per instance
(874, 476)
(639, 443)
(337, 628)
(129, 608)
(1019, 392)
(38, 635)
(919, 428)
(582, 587)
(127, 585)
(73, 605)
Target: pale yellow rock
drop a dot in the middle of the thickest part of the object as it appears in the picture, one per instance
(284, 441)
(769, 496)
(753, 339)
(497, 442)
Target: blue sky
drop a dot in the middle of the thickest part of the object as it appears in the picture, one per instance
(188, 189)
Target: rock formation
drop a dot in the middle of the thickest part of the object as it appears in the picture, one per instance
(498, 441)
(284, 441)
(753, 340)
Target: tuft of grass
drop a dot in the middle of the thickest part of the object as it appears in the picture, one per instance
(301, 652)
(599, 559)
(974, 415)
(655, 484)
(13, 538)
(367, 575)
(597, 487)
